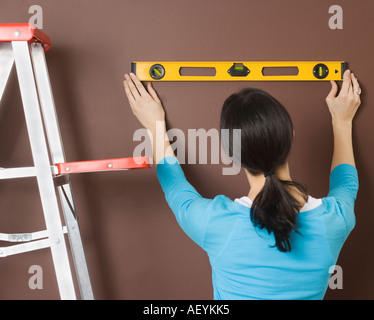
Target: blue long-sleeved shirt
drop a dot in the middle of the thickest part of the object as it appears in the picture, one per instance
(245, 263)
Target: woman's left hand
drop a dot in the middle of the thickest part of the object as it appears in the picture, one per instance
(145, 105)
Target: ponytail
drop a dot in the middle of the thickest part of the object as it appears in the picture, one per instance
(275, 209)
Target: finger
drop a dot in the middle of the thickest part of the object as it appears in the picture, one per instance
(347, 84)
(152, 92)
(132, 87)
(355, 81)
(138, 85)
(334, 90)
(129, 95)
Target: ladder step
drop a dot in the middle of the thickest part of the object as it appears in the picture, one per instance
(23, 237)
(13, 173)
(103, 165)
(23, 32)
(33, 241)
(24, 247)
(79, 167)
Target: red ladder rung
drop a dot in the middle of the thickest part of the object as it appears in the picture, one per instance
(103, 165)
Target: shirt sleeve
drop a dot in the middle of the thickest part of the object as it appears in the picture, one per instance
(189, 207)
(344, 188)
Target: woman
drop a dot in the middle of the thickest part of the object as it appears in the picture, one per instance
(277, 242)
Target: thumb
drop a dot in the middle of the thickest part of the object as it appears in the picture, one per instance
(334, 90)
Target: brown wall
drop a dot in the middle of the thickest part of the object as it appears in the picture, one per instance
(134, 247)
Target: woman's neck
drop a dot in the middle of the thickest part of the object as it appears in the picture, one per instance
(256, 182)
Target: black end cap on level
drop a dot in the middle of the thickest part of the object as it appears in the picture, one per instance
(133, 67)
(344, 67)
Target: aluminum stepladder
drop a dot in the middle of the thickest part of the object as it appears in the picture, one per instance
(24, 46)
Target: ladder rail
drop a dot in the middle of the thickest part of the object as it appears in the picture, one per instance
(44, 177)
(6, 63)
(58, 156)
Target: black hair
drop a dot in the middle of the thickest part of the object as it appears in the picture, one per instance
(266, 140)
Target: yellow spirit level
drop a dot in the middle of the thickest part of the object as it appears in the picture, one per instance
(239, 71)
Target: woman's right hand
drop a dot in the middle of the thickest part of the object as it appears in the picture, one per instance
(145, 105)
(343, 109)
(344, 106)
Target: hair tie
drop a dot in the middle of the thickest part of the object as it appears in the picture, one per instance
(270, 173)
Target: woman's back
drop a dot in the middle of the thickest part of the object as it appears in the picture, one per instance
(245, 263)
(250, 267)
